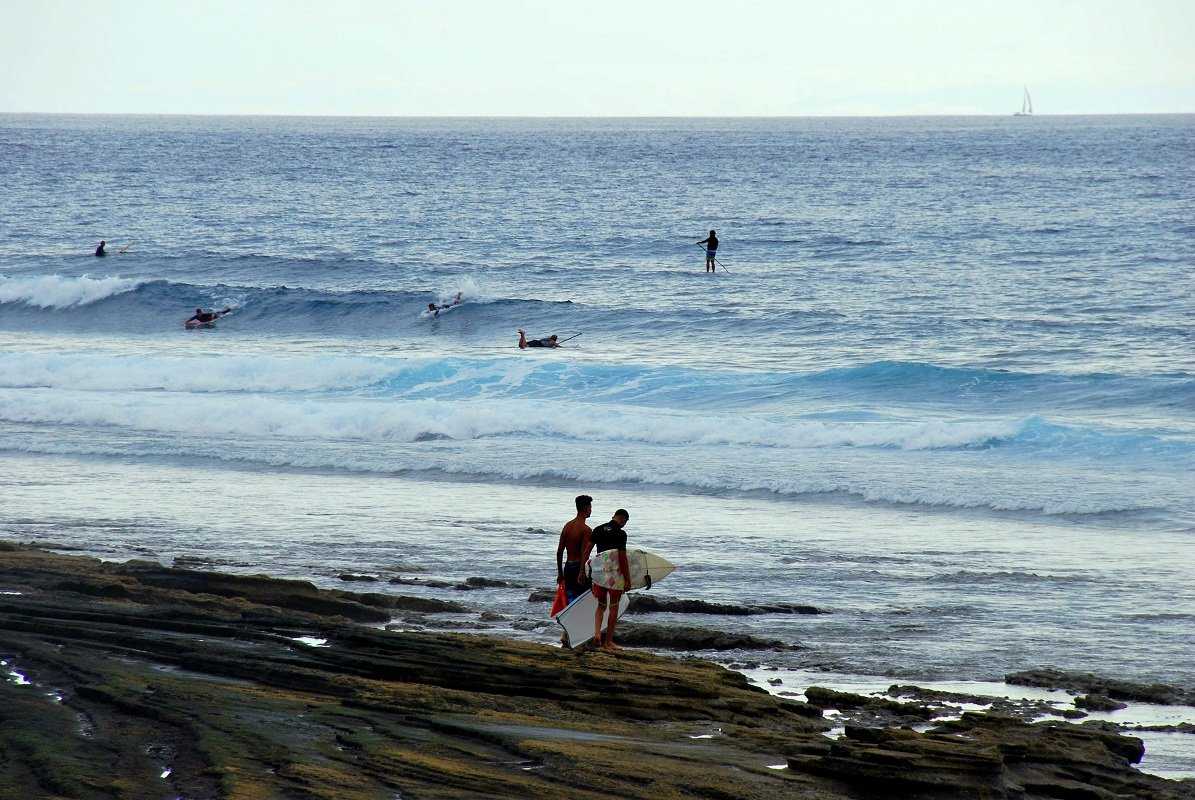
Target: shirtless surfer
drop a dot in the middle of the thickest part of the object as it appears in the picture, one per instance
(574, 542)
(610, 536)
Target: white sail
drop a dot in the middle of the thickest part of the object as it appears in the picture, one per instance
(1026, 105)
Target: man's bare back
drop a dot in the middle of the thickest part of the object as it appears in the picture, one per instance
(574, 542)
(574, 537)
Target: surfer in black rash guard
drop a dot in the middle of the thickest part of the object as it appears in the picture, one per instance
(610, 536)
(206, 316)
(100, 251)
(435, 310)
(524, 342)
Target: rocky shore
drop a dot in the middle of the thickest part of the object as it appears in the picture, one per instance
(137, 680)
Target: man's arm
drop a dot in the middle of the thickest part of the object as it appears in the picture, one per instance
(560, 556)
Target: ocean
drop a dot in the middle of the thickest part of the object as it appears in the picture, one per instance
(941, 387)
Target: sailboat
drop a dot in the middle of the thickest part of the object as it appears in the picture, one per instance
(1026, 105)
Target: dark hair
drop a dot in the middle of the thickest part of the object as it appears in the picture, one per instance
(583, 502)
(622, 512)
(199, 311)
(552, 337)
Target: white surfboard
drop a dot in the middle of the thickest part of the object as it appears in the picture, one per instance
(646, 569)
(577, 618)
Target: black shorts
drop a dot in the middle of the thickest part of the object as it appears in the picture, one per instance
(575, 581)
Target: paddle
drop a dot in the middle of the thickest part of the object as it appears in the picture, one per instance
(716, 261)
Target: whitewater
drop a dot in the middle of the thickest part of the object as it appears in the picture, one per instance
(943, 387)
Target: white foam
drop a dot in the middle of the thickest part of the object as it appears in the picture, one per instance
(470, 292)
(461, 417)
(387, 418)
(56, 291)
(93, 372)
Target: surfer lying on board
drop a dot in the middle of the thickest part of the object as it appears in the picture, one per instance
(610, 536)
(435, 310)
(206, 316)
(574, 542)
(524, 342)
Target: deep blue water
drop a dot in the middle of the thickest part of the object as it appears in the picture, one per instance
(944, 385)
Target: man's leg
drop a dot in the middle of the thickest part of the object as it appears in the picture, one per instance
(601, 596)
(612, 602)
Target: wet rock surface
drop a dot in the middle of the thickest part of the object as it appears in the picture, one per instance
(645, 603)
(945, 703)
(1086, 683)
(141, 681)
(1097, 702)
(691, 639)
(648, 604)
(871, 711)
(984, 755)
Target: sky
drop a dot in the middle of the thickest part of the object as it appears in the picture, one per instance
(609, 58)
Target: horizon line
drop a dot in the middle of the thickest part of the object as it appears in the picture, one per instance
(294, 115)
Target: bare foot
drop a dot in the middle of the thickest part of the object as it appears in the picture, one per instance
(611, 646)
(597, 642)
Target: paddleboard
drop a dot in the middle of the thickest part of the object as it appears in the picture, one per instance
(646, 569)
(577, 618)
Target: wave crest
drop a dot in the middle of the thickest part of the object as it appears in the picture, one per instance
(57, 291)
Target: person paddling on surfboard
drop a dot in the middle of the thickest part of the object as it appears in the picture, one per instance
(524, 342)
(435, 310)
(610, 536)
(202, 316)
(711, 250)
